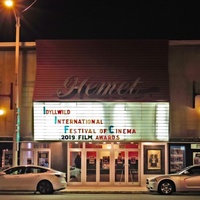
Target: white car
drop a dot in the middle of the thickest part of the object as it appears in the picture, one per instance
(186, 180)
(32, 178)
(75, 173)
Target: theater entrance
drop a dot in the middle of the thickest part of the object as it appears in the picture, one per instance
(103, 164)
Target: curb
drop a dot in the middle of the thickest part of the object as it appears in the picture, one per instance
(106, 192)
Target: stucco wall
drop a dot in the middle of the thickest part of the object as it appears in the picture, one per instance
(7, 70)
(184, 68)
(27, 70)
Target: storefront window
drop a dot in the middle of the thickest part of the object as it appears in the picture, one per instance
(177, 158)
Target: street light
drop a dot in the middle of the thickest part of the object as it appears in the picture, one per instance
(1, 111)
(16, 134)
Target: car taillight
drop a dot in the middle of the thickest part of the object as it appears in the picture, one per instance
(60, 175)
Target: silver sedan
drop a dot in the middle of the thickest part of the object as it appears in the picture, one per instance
(187, 180)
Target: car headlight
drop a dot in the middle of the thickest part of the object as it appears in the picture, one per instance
(153, 180)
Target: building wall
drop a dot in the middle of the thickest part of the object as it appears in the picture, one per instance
(184, 68)
(59, 156)
(7, 61)
(27, 69)
(28, 74)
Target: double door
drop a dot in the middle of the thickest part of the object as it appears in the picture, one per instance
(40, 156)
(104, 166)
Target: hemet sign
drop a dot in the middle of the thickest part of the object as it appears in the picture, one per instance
(72, 85)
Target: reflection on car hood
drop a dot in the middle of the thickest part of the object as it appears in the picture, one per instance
(165, 176)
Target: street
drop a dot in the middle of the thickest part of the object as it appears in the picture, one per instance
(79, 196)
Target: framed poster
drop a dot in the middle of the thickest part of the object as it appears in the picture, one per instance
(154, 159)
(196, 158)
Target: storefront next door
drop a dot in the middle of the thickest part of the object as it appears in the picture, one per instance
(106, 164)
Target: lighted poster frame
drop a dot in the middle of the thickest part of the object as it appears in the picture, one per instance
(154, 159)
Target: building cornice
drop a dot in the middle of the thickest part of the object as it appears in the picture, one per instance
(184, 42)
(171, 43)
(21, 44)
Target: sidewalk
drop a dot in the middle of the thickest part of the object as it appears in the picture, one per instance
(105, 189)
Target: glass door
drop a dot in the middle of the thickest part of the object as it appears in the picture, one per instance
(126, 166)
(120, 166)
(75, 166)
(42, 157)
(98, 166)
(133, 166)
(91, 166)
(104, 166)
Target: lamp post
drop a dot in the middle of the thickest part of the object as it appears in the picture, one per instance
(16, 133)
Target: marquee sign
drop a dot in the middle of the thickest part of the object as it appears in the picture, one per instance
(100, 121)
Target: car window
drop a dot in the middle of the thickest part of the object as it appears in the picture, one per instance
(29, 170)
(38, 170)
(194, 171)
(25, 170)
(15, 171)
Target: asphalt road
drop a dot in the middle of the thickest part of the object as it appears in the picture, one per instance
(72, 196)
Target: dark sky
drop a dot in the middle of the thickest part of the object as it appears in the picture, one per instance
(104, 19)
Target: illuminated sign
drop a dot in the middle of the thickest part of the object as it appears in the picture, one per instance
(100, 121)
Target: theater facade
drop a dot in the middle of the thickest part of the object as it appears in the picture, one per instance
(106, 112)
(105, 102)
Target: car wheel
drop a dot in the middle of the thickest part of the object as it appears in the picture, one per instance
(45, 187)
(166, 187)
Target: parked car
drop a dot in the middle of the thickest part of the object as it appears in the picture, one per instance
(186, 180)
(75, 173)
(32, 178)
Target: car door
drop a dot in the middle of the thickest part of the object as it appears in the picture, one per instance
(29, 179)
(192, 180)
(7, 181)
(10, 180)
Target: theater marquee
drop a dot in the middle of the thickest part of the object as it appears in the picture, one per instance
(101, 121)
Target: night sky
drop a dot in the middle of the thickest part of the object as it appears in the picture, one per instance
(103, 19)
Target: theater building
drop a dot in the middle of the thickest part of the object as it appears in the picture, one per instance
(100, 110)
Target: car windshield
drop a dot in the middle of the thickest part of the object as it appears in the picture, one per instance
(190, 170)
(182, 170)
